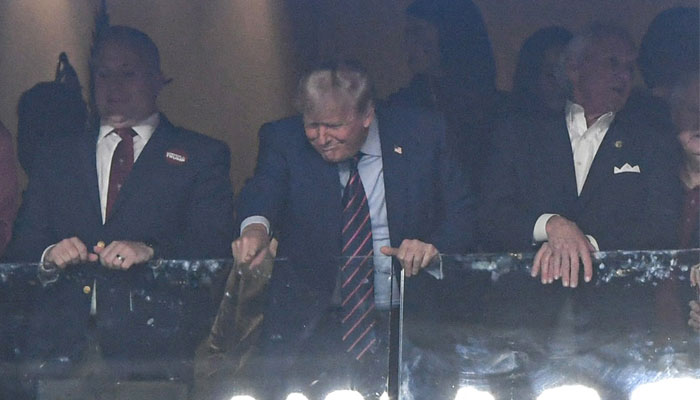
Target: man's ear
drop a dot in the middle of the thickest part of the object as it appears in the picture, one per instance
(159, 81)
(369, 116)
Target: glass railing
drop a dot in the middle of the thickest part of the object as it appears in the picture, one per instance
(471, 327)
(490, 331)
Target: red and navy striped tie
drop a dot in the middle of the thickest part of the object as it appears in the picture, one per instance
(357, 272)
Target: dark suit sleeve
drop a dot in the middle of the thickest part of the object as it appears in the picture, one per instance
(8, 187)
(209, 214)
(455, 233)
(264, 193)
(506, 219)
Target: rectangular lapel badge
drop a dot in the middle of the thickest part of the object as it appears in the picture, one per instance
(176, 157)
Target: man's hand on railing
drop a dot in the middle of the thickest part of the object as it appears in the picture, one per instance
(67, 252)
(413, 255)
(122, 254)
(251, 247)
(559, 256)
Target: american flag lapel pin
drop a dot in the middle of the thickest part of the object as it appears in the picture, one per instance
(398, 149)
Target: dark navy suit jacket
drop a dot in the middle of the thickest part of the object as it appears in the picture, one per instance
(427, 198)
(532, 172)
(184, 208)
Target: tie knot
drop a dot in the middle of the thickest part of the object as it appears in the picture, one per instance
(354, 160)
(125, 133)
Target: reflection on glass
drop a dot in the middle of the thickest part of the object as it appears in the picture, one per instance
(569, 392)
(472, 393)
(344, 395)
(673, 388)
(481, 328)
(488, 326)
(297, 396)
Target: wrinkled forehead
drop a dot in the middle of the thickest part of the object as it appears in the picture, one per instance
(329, 105)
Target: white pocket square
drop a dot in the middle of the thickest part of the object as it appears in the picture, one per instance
(626, 168)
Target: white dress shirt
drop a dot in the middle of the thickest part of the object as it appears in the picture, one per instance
(585, 142)
(107, 141)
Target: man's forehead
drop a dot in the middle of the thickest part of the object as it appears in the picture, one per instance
(329, 112)
(119, 55)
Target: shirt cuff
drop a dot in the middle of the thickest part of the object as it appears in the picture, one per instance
(434, 269)
(593, 242)
(539, 234)
(256, 219)
(43, 255)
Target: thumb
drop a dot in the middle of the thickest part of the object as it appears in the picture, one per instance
(389, 251)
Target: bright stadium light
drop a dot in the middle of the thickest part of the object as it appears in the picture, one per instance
(344, 395)
(297, 396)
(242, 397)
(671, 388)
(472, 393)
(569, 392)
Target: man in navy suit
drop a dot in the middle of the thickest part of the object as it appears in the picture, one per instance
(596, 179)
(419, 205)
(175, 203)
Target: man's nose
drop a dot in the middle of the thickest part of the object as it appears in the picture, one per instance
(322, 135)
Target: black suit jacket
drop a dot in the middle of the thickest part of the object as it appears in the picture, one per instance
(427, 198)
(532, 173)
(185, 209)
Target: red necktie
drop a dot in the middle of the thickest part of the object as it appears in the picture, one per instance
(357, 274)
(122, 162)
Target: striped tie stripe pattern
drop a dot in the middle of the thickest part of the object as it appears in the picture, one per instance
(357, 272)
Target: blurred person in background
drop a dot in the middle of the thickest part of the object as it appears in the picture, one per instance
(453, 72)
(536, 91)
(48, 110)
(685, 108)
(668, 50)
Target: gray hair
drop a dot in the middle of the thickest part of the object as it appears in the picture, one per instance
(345, 80)
(578, 49)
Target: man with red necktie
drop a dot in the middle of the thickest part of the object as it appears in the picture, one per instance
(136, 188)
(345, 187)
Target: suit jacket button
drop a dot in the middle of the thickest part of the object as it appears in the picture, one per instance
(86, 289)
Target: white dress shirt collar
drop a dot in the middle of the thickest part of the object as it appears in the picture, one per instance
(144, 129)
(577, 125)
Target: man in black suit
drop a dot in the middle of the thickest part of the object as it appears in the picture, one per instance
(595, 179)
(134, 189)
(418, 202)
